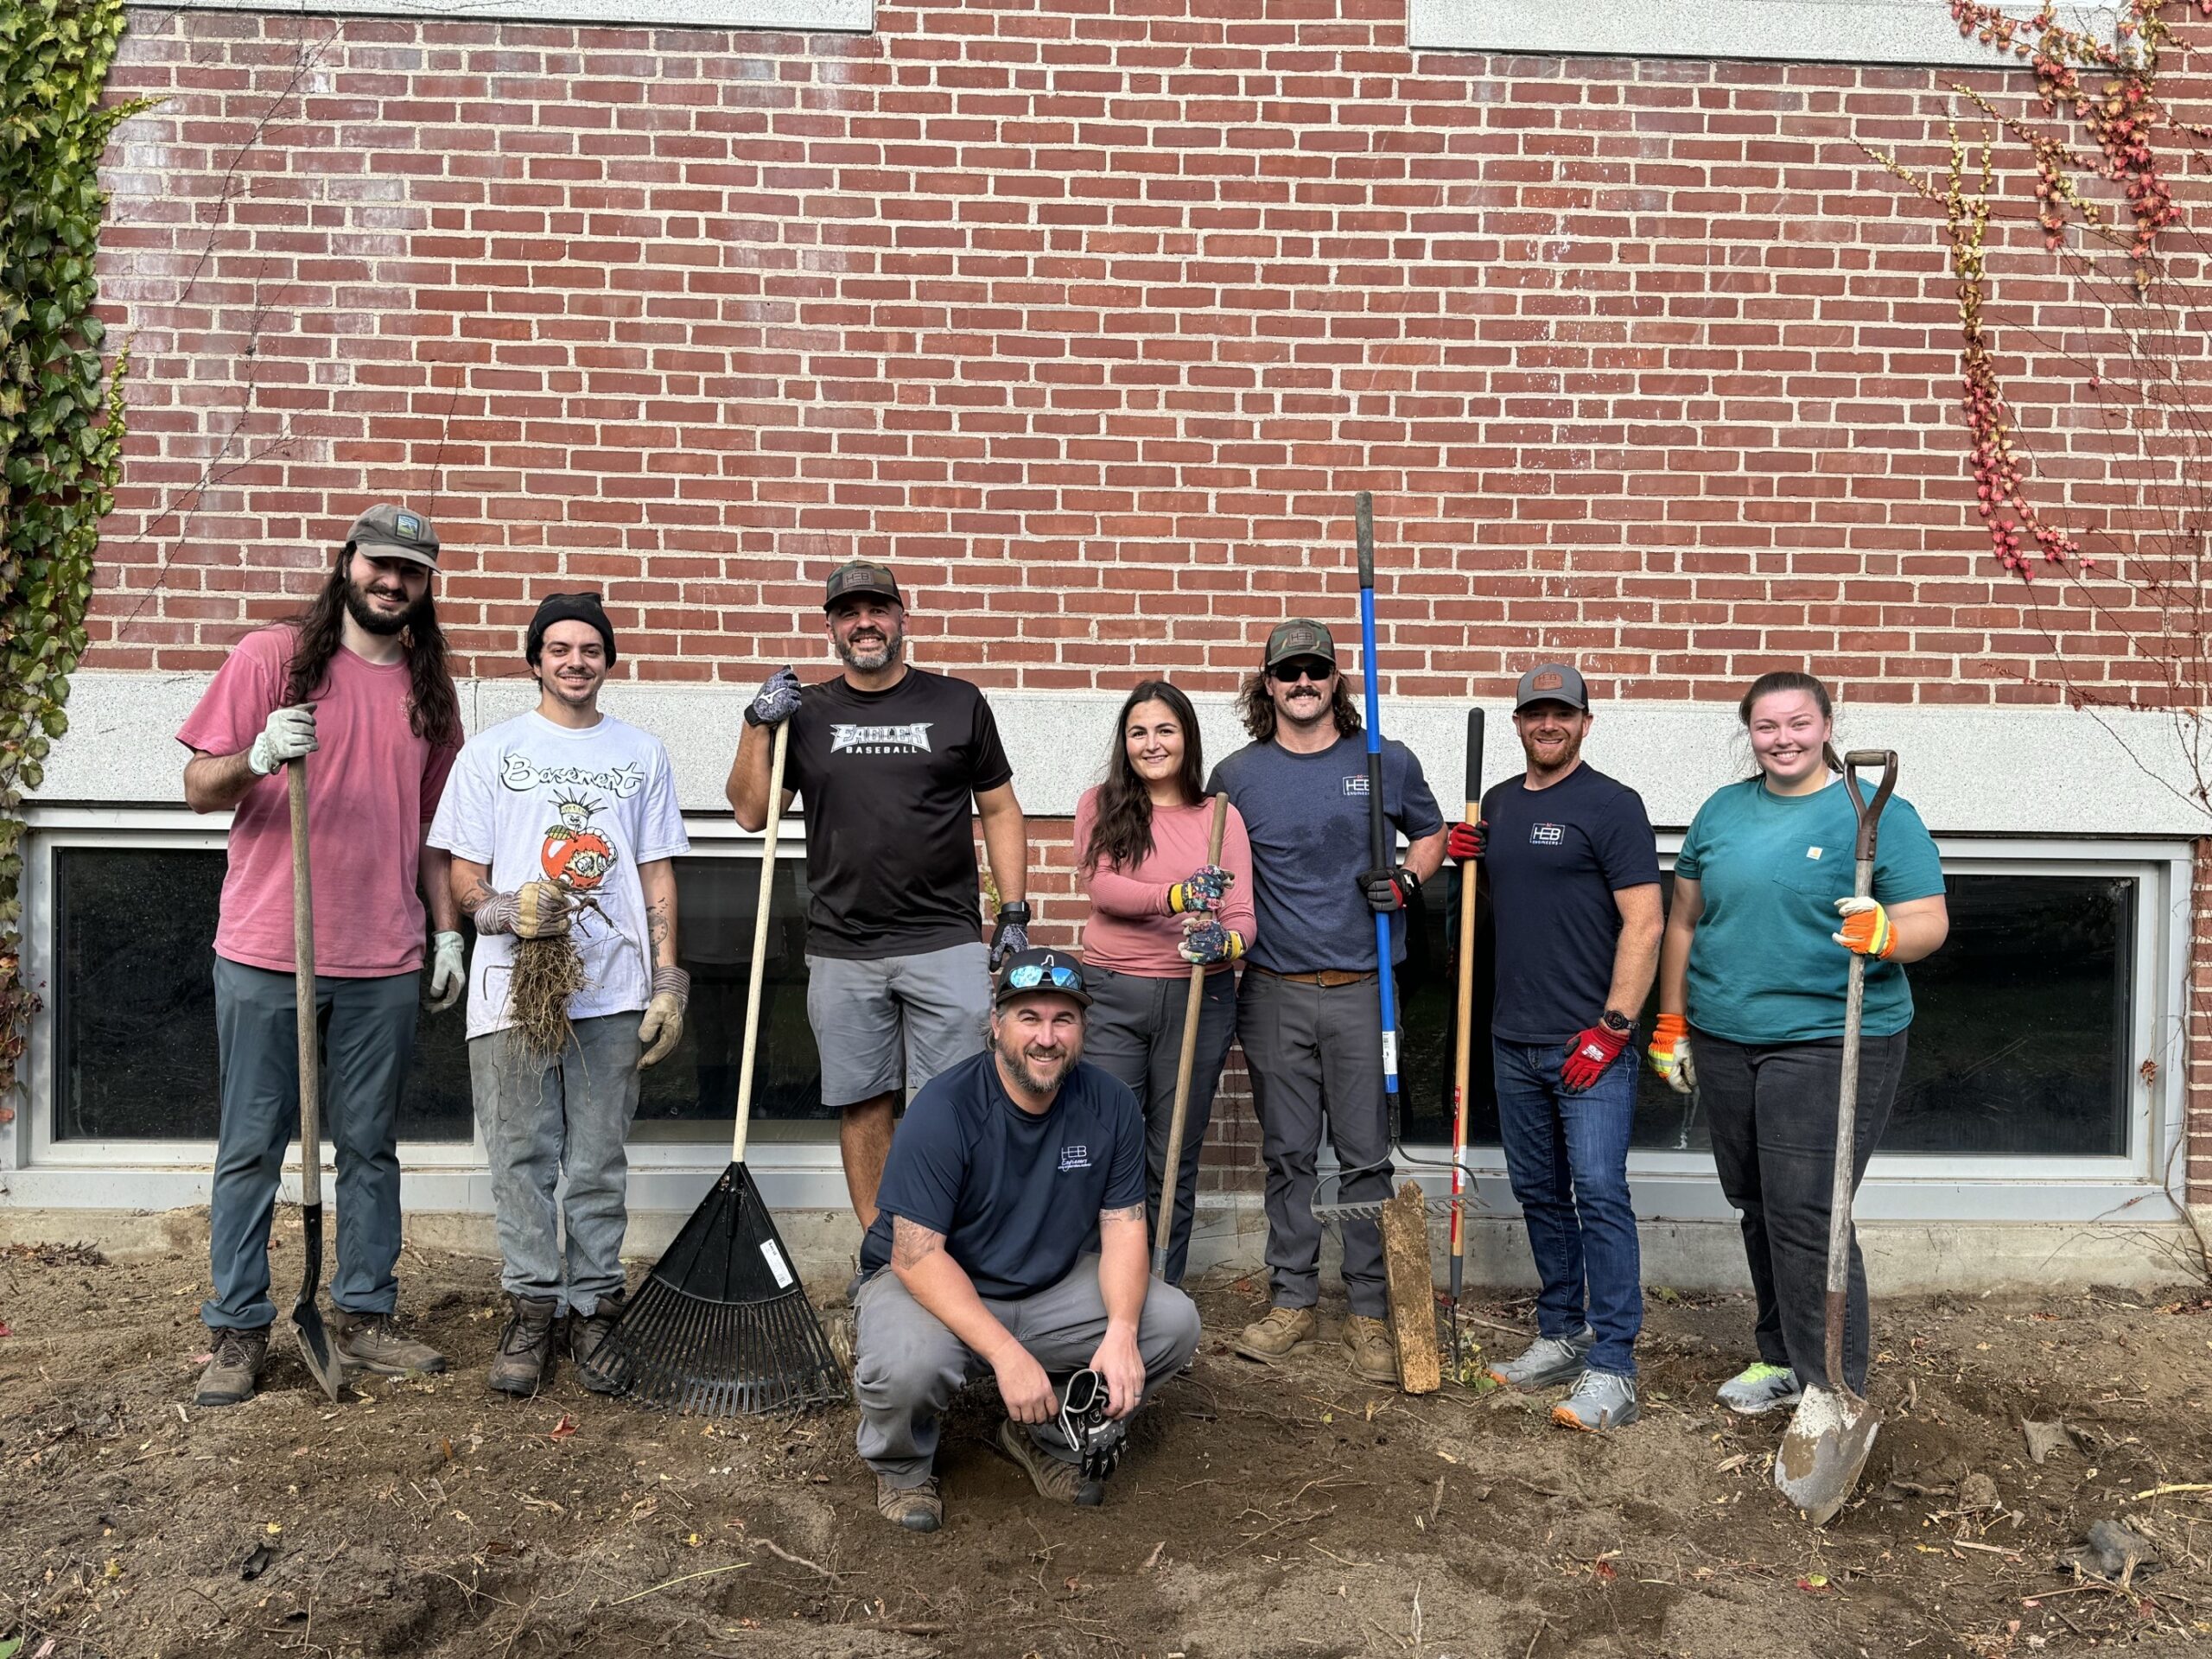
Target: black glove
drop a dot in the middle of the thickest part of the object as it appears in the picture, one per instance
(1389, 890)
(1009, 934)
(777, 700)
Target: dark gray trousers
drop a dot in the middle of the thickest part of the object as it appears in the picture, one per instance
(1135, 1032)
(1315, 1053)
(1772, 1111)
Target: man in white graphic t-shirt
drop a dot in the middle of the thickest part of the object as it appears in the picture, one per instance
(564, 820)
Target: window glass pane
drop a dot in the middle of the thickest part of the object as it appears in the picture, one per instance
(2020, 1035)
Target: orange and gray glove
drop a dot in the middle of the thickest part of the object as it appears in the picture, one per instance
(1670, 1052)
(1867, 929)
(663, 1026)
(537, 909)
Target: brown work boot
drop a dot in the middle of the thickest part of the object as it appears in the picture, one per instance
(234, 1368)
(918, 1509)
(587, 1333)
(524, 1361)
(1374, 1353)
(1055, 1478)
(374, 1342)
(1281, 1331)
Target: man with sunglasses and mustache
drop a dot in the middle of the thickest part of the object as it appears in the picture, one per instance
(889, 760)
(1308, 1013)
(1011, 1240)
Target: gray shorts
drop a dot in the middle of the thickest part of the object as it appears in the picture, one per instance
(892, 1024)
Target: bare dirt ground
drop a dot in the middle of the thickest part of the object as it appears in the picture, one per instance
(1291, 1512)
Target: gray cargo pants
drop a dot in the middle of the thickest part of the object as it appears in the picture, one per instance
(1315, 1051)
(906, 1366)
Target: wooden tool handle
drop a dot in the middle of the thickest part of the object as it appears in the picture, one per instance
(1462, 1049)
(1193, 1006)
(758, 969)
(296, 774)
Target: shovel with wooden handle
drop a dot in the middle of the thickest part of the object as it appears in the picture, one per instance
(306, 1318)
(1193, 1005)
(1834, 1429)
(1463, 1046)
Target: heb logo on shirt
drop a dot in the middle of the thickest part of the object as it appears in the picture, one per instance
(881, 740)
(1357, 784)
(1074, 1157)
(1546, 835)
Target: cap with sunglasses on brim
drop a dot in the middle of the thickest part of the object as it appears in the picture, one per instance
(857, 577)
(385, 532)
(1300, 637)
(1030, 972)
(1552, 682)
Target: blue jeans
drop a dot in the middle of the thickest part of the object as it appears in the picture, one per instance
(1568, 1157)
(367, 1029)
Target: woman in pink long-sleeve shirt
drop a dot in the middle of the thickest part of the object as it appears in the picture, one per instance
(1156, 908)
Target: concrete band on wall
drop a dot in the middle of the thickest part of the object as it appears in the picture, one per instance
(848, 17)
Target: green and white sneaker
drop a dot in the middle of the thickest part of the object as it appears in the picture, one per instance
(1757, 1389)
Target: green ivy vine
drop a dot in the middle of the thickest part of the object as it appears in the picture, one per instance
(61, 411)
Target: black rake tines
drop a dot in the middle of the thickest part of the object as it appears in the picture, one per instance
(722, 1327)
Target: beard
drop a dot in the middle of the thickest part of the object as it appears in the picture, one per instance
(1042, 1074)
(1570, 752)
(872, 659)
(376, 621)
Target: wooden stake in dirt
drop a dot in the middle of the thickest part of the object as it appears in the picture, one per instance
(1413, 1290)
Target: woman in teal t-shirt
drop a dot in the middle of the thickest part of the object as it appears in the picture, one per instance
(1751, 979)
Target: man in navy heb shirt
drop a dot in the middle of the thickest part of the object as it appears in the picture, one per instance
(1011, 1240)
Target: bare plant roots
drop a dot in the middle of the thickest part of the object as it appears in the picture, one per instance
(547, 973)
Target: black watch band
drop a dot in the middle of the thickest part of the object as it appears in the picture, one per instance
(1017, 912)
(1619, 1024)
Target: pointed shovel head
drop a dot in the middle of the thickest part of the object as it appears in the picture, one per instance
(306, 1318)
(1824, 1452)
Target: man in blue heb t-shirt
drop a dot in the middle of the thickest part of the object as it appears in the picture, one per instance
(1012, 1241)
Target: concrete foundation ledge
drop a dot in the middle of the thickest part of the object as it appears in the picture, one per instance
(1903, 1258)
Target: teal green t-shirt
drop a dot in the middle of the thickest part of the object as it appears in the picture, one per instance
(1763, 965)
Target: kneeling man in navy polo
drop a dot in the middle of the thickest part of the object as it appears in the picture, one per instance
(1012, 1241)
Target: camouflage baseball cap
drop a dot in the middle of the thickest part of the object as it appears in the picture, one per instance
(1299, 637)
(860, 576)
(395, 532)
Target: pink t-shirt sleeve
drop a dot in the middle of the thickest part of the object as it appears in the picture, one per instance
(246, 690)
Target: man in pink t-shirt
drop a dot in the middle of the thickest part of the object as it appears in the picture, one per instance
(358, 682)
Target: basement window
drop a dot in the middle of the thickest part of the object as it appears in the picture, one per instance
(849, 17)
(1781, 31)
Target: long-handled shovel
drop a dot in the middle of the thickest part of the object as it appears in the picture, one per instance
(1378, 829)
(1171, 1196)
(1834, 1429)
(1463, 1050)
(306, 1319)
(721, 1324)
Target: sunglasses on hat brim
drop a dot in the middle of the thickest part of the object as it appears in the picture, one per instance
(1034, 976)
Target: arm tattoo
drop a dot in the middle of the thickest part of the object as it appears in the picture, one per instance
(479, 894)
(911, 1244)
(1130, 1212)
(657, 922)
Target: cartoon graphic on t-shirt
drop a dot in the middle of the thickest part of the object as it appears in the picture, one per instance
(574, 853)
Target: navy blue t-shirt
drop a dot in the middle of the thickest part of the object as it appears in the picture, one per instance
(1016, 1194)
(1555, 858)
(1306, 816)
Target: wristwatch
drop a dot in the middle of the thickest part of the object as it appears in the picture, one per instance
(1619, 1024)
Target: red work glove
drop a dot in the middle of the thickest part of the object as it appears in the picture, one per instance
(1594, 1050)
(1468, 842)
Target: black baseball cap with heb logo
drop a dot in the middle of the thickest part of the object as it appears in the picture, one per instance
(860, 576)
(1552, 682)
(1300, 637)
(394, 533)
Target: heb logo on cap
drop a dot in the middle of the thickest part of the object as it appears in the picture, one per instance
(1550, 680)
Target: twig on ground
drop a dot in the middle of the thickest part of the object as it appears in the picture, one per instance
(667, 1584)
(782, 1554)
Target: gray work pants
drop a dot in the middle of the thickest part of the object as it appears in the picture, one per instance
(1772, 1112)
(546, 1116)
(1134, 1030)
(906, 1366)
(1315, 1052)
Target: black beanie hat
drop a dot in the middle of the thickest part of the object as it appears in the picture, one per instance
(566, 607)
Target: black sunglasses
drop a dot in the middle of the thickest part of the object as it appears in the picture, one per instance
(1303, 668)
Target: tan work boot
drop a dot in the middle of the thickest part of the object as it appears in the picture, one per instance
(1281, 1331)
(1055, 1478)
(374, 1342)
(234, 1367)
(1374, 1351)
(524, 1361)
(918, 1509)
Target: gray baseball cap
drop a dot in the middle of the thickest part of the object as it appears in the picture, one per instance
(1552, 682)
(1299, 637)
(394, 533)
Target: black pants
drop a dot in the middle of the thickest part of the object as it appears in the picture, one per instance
(1772, 1111)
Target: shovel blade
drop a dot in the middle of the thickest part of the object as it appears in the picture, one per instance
(1823, 1453)
(306, 1318)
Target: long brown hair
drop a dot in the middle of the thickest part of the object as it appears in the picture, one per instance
(433, 706)
(1257, 709)
(1121, 833)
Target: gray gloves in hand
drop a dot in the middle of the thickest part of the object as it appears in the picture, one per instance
(288, 735)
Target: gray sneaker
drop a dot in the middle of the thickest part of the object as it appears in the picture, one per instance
(1757, 1389)
(1598, 1401)
(1546, 1361)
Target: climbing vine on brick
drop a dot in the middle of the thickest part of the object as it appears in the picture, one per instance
(61, 411)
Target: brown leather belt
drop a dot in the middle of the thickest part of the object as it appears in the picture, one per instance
(1329, 976)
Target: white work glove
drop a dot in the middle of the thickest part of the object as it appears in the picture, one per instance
(539, 910)
(288, 735)
(662, 1028)
(448, 972)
